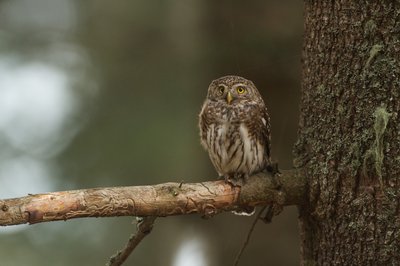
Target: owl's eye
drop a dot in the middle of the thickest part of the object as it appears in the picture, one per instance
(240, 90)
(221, 90)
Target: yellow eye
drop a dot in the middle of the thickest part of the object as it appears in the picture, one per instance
(240, 90)
(221, 89)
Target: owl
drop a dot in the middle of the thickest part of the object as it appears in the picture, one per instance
(235, 128)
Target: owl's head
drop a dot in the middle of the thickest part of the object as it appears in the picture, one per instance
(232, 90)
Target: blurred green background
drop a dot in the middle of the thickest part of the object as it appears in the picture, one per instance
(102, 93)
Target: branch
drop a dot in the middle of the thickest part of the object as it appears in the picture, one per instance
(246, 241)
(144, 227)
(206, 198)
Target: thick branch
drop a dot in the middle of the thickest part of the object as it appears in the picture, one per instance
(206, 198)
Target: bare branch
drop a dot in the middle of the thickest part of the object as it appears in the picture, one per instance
(249, 233)
(144, 227)
(206, 198)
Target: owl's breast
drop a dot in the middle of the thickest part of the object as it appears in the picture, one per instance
(227, 133)
(232, 149)
(229, 115)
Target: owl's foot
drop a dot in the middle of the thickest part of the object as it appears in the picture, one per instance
(236, 180)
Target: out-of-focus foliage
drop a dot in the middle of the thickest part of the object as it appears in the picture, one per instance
(103, 93)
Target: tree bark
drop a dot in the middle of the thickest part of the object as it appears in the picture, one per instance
(349, 135)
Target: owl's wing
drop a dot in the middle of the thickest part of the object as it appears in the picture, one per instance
(204, 125)
(266, 133)
(258, 126)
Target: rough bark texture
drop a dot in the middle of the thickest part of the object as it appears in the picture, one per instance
(349, 136)
(206, 198)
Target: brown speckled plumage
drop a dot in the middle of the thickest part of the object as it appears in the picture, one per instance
(235, 128)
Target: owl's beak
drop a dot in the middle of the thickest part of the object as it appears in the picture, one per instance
(229, 98)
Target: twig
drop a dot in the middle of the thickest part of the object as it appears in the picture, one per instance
(144, 227)
(246, 241)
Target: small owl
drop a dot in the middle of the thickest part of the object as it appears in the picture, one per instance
(235, 128)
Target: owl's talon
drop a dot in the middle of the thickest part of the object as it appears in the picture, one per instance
(234, 181)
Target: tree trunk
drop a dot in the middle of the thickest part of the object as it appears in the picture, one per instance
(349, 136)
